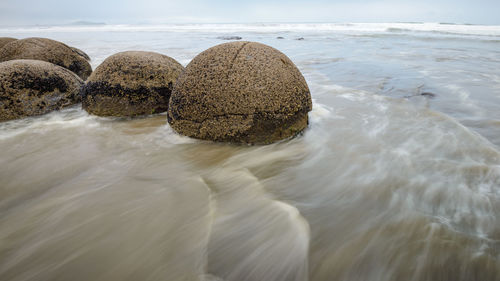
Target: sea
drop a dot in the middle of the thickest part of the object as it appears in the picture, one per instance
(397, 176)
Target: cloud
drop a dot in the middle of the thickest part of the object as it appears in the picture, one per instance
(156, 11)
(372, 11)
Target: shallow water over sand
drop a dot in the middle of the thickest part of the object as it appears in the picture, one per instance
(385, 184)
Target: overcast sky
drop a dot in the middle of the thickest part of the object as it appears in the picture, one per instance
(27, 12)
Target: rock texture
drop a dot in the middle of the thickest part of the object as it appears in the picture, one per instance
(47, 50)
(32, 87)
(81, 53)
(242, 92)
(130, 84)
(5, 40)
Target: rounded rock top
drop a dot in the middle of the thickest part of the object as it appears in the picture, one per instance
(5, 40)
(47, 50)
(131, 83)
(33, 87)
(242, 92)
(134, 69)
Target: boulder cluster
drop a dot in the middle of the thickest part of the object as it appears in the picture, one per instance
(239, 92)
(39, 75)
(47, 50)
(33, 87)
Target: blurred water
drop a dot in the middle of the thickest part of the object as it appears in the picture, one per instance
(385, 184)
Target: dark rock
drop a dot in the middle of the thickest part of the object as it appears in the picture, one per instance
(130, 84)
(81, 53)
(47, 50)
(428, 94)
(5, 40)
(32, 87)
(229, 37)
(242, 92)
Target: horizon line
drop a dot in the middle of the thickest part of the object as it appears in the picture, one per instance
(95, 23)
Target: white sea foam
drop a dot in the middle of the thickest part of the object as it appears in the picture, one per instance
(167, 136)
(488, 30)
(320, 112)
(67, 118)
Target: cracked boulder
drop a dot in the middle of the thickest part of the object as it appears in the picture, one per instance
(32, 87)
(131, 83)
(5, 40)
(240, 92)
(47, 50)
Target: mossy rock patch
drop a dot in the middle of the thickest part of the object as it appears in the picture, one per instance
(130, 84)
(32, 87)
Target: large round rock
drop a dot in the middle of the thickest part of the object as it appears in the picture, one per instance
(241, 92)
(32, 87)
(47, 50)
(130, 84)
(5, 40)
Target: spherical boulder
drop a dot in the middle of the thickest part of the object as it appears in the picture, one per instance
(32, 87)
(131, 83)
(241, 92)
(5, 40)
(47, 50)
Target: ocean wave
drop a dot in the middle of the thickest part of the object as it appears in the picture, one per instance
(460, 29)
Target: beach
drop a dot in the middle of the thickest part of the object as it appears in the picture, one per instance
(396, 177)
